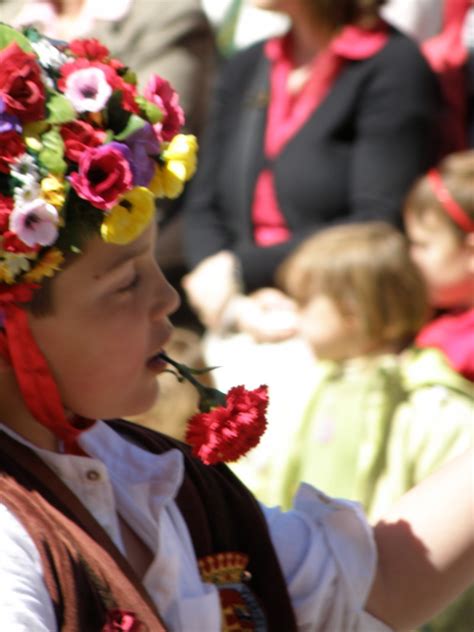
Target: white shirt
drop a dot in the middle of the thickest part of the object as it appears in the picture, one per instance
(325, 546)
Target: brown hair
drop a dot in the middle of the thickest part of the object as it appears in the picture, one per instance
(338, 13)
(457, 173)
(367, 271)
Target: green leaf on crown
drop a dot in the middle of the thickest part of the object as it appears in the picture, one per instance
(134, 123)
(60, 109)
(9, 35)
(51, 156)
(151, 111)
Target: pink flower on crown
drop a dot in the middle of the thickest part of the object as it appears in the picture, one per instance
(21, 85)
(35, 223)
(159, 92)
(88, 90)
(104, 175)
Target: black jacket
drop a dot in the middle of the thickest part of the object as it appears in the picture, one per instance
(353, 160)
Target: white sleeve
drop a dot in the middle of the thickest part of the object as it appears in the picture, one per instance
(328, 556)
(25, 604)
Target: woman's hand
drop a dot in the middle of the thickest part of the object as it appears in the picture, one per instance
(211, 285)
(267, 315)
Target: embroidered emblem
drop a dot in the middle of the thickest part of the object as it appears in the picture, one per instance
(241, 611)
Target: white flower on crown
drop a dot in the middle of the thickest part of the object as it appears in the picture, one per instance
(25, 169)
(28, 192)
(49, 56)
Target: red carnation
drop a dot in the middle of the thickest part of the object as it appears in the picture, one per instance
(122, 621)
(79, 136)
(11, 146)
(90, 49)
(6, 207)
(21, 86)
(226, 433)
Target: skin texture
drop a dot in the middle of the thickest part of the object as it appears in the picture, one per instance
(331, 334)
(446, 262)
(101, 334)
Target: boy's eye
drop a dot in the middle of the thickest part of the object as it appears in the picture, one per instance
(131, 284)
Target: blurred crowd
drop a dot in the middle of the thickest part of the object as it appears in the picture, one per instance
(326, 243)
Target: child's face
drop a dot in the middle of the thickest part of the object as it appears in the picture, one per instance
(446, 263)
(331, 335)
(110, 317)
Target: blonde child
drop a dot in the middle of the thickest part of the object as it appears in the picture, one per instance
(384, 414)
(106, 525)
(439, 221)
(362, 302)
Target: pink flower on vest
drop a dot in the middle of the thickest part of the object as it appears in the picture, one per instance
(122, 621)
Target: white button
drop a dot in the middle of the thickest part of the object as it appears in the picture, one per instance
(93, 475)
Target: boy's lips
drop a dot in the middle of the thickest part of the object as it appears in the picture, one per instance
(157, 363)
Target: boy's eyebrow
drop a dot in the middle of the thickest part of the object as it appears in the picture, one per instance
(123, 257)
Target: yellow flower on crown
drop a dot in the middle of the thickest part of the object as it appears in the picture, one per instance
(53, 191)
(46, 267)
(182, 149)
(179, 165)
(127, 220)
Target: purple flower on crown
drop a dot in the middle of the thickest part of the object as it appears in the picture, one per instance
(144, 146)
(8, 122)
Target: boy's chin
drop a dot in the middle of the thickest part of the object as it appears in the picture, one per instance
(126, 410)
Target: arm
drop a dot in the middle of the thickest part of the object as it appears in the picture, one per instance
(426, 548)
(25, 604)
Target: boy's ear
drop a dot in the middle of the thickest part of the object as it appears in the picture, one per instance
(469, 244)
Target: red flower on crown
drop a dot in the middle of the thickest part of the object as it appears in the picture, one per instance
(90, 49)
(11, 146)
(78, 136)
(21, 85)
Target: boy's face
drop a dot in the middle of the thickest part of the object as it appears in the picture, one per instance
(445, 262)
(109, 318)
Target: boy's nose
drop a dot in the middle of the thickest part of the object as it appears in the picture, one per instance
(167, 299)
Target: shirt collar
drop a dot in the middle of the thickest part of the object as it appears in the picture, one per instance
(352, 43)
(126, 463)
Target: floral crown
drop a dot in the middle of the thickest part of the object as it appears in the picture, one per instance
(80, 150)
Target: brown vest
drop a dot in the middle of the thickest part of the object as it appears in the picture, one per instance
(87, 576)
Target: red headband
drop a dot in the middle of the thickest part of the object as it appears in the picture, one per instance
(33, 375)
(448, 203)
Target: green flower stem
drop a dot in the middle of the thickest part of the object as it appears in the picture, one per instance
(208, 397)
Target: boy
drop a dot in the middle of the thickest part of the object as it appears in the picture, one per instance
(108, 526)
